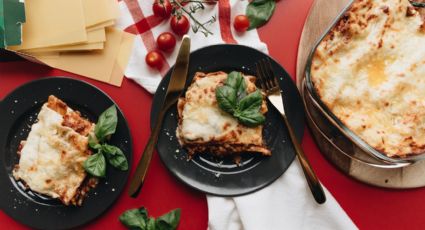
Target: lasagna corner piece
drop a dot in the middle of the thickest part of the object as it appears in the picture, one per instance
(204, 127)
(369, 71)
(51, 159)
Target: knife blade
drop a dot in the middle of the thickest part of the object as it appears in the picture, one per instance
(174, 89)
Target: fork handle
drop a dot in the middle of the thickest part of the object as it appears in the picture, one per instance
(313, 182)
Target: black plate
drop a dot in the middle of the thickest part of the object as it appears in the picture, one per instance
(18, 112)
(219, 176)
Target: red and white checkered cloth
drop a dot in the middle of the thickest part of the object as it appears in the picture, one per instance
(137, 17)
(288, 202)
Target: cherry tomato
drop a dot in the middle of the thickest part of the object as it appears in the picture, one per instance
(166, 41)
(180, 24)
(241, 23)
(154, 59)
(162, 8)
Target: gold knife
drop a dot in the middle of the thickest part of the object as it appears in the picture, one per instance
(175, 87)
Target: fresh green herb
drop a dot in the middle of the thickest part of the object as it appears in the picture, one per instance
(226, 98)
(233, 99)
(250, 119)
(259, 12)
(151, 224)
(135, 218)
(252, 102)
(95, 165)
(417, 3)
(194, 7)
(138, 219)
(107, 124)
(169, 220)
(115, 156)
(93, 142)
(237, 82)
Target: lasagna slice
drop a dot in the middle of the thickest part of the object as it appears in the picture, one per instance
(51, 159)
(203, 127)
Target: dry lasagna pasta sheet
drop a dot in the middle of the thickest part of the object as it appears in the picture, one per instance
(76, 36)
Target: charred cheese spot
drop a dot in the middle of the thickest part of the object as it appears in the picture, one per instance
(410, 11)
(226, 126)
(63, 154)
(74, 121)
(57, 105)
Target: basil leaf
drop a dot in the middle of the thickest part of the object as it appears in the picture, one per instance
(259, 12)
(226, 98)
(115, 157)
(95, 165)
(93, 142)
(233, 90)
(134, 218)
(107, 123)
(237, 82)
(250, 119)
(233, 99)
(252, 102)
(151, 225)
(248, 112)
(169, 221)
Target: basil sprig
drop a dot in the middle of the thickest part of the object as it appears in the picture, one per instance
(233, 99)
(107, 124)
(95, 165)
(259, 12)
(138, 219)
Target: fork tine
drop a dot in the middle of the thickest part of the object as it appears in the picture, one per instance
(272, 75)
(260, 77)
(263, 76)
(267, 75)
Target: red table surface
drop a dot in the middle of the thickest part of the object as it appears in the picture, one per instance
(369, 207)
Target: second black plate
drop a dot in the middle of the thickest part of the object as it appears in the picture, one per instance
(221, 176)
(18, 111)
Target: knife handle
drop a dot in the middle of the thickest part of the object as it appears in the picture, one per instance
(142, 167)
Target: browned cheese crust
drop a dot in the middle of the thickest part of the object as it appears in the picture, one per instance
(369, 71)
(204, 128)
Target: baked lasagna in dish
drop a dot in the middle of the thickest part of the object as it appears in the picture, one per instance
(370, 72)
(204, 128)
(51, 158)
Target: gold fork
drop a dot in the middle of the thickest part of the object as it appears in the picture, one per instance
(269, 83)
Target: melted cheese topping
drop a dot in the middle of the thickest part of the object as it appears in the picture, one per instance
(203, 122)
(52, 157)
(370, 72)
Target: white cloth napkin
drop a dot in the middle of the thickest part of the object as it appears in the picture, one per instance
(285, 204)
(149, 78)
